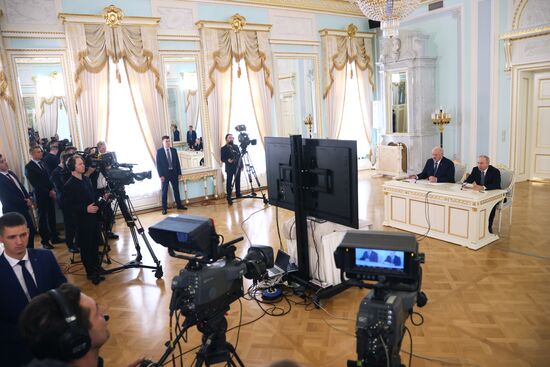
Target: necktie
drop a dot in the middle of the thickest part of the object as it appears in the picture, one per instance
(482, 181)
(435, 167)
(16, 185)
(169, 156)
(29, 281)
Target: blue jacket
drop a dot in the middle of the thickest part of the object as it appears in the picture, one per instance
(10, 196)
(13, 300)
(162, 162)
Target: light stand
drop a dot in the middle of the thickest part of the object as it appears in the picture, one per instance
(440, 119)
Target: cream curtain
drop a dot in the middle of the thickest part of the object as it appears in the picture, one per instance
(9, 142)
(192, 108)
(260, 90)
(91, 45)
(48, 111)
(338, 53)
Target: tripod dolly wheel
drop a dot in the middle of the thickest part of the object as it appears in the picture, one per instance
(159, 273)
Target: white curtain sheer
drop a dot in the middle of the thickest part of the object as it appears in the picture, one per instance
(192, 108)
(48, 115)
(342, 55)
(91, 46)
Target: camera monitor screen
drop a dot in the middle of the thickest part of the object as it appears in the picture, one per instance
(375, 258)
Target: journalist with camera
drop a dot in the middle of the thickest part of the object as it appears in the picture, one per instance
(392, 261)
(80, 198)
(209, 283)
(230, 155)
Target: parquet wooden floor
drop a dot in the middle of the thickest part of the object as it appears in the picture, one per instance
(486, 308)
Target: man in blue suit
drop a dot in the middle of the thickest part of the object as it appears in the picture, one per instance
(14, 197)
(169, 170)
(191, 137)
(437, 169)
(25, 273)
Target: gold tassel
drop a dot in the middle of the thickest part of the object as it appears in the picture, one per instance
(351, 74)
(118, 74)
(239, 69)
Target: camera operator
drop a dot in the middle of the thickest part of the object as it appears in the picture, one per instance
(79, 198)
(66, 325)
(230, 156)
(100, 183)
(60, 176)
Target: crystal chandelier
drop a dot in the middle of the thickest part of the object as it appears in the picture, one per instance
(387, 12)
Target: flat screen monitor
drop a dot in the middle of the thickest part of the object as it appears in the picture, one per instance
(329, 180)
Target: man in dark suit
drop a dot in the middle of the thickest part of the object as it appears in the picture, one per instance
(60, 176)
(485, 177)
(25, 273)
(14, 197)
(230, 156)
(437, 169)
(169, 170)
(38, 175)
(191, 137)
(370, 255)
(52, 158)
(175, 132)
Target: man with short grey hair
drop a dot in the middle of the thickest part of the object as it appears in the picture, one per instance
(485, 177)
(437, 169)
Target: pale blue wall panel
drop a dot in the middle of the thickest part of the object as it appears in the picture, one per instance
(483, 76)
(221, 12)
(129, 7)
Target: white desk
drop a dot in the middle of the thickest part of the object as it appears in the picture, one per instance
(190, 158)
(455, 215)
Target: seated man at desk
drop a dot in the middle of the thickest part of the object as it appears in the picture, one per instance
(484, 177)
(437, 169)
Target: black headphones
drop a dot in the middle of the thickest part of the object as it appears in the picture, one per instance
(75, 341)
(71, 162)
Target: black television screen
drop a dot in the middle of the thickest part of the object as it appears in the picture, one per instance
(331, 178)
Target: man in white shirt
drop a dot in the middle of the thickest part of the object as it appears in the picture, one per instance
(25, 273)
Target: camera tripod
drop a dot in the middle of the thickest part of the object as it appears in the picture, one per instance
(214, 349)
(246, 162)
(123, 202)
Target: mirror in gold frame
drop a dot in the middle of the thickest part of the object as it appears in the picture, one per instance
(398, 102)
(184, 109)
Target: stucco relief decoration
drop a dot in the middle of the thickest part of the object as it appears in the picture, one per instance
(533, 13)
(31, 12)
(176, 18)
(292, 26)
(113, 16)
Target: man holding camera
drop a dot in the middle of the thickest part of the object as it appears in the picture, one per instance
(66, 325)
(169, 170)
(230, 156)
(80, 200)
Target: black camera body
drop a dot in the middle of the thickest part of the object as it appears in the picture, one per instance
(393, 260)
(244, 139)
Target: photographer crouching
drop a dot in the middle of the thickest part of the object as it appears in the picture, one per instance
(79, 198)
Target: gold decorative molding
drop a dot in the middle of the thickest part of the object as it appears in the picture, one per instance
(99, 19)
(352, 30)
(526, 33)
(345, 32)
(237, 22)
(113, 16)
(325, 6)
(227, 25)
(517, 13)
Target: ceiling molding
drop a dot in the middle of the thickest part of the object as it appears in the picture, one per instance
(98, 19)
(329, 6)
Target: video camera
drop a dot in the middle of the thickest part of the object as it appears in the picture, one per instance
(213, 278)
(117, 174)
(244, 140)
(393, 260)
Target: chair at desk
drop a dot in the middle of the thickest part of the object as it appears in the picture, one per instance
(507, 182)
(460, 171)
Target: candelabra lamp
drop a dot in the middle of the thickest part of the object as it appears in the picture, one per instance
(308, 121)
(441, 118)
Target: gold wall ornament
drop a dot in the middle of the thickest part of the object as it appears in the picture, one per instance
(113, 16)
(352, 30)
(237, 22)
